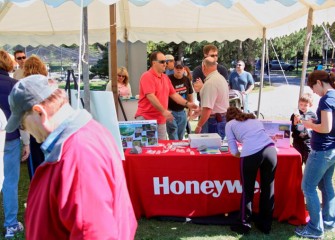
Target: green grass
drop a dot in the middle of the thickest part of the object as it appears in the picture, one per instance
(98, 85)
(154, 229)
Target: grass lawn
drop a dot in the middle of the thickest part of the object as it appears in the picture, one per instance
(97, 85)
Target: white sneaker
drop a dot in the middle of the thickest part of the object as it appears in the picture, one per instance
(10, 231)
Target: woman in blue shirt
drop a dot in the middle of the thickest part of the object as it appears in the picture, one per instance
(258, 152)
(321, 160)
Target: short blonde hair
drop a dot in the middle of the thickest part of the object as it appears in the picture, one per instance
(6, 62)
(34, 65)
(307, 98)
(123, 71)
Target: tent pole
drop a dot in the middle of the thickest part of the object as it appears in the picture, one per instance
(84, 62)
(113, 53)
(306, 49)
(262, 73)
(126, 48)
(267, 60)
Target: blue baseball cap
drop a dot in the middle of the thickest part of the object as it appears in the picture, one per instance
(25, 94)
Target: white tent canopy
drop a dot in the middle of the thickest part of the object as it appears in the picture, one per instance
(44, 22)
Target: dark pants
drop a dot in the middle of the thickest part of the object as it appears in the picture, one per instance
(266, 161)
(36, 156)
(303, 148)
(217, 126)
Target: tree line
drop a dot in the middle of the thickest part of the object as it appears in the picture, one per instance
(288, 48)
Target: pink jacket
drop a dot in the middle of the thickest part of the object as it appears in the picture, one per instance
(83, 194)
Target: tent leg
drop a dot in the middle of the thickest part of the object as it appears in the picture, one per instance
(262, 73)
(113, 53)
(306, 49)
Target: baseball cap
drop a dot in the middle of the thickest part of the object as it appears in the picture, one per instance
(178, 63)
(169, 57)
(25, 94)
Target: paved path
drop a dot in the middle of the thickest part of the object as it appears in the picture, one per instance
(281, 102)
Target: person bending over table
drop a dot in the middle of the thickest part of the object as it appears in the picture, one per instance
(258, 152)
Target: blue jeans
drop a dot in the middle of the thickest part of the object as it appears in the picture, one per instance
(204, 128)
(217, 127)
(176, 128)
(12, 154)
(318, 173)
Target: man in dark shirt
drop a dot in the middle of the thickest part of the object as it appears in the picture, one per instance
(176, 128)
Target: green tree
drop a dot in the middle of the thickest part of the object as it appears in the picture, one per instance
(102, 67)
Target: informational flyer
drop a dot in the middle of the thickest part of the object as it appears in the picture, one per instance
(279, 131)
(141, 133)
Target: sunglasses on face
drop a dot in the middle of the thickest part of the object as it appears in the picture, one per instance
(161, 61)
(178, 67)
(121, 76)
(20, 58)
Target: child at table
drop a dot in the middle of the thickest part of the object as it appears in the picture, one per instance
(301, 136)
(258, 152)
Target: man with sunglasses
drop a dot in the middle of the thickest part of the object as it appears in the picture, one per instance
(169, 64)
(20, 58)
(242, 81)
(209, 50)
(155, 90)
(177, 127)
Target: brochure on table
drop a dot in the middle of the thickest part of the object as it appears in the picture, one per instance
(279, 131)
(141, 133)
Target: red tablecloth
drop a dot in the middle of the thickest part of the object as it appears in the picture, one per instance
(191, 185)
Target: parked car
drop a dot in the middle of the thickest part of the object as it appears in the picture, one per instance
(274, 65)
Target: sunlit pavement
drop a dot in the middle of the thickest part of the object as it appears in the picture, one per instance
(280, 102)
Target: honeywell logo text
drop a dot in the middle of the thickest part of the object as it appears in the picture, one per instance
(163, 185)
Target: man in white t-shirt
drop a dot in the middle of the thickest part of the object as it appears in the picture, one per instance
(214, 99)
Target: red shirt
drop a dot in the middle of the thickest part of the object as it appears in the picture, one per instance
(83, 195)
(161, 86)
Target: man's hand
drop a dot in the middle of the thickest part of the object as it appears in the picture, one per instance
(198, 85)
(25, 153)
(194, 113)
(192, 105)
(197, 129)
(168, 115)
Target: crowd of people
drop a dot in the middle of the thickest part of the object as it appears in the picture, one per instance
(69, 153)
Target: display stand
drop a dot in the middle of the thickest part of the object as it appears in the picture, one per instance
(68, 84)
(122, 109)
